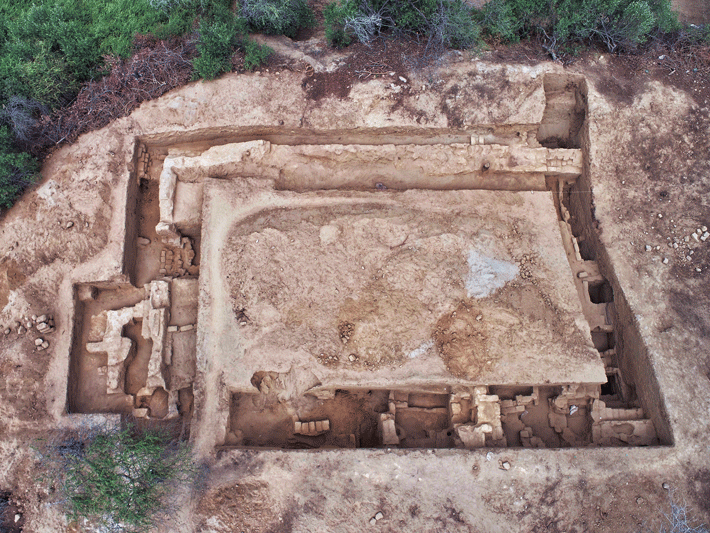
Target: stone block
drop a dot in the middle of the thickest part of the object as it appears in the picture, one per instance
(388, 430)
(472, 436)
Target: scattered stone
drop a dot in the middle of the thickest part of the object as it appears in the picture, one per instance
(504, 465)
(172, 329)
(45, 345)
(34, 318)
(188, 327)
(403, 79)
(7, 331)
(666, 485)
(42, 327)
(69, 224)
(28, 325)
(698, 269)
(665, 260)
(39, 341)
(694, 236)
(639, 500)
(704, 228)
(17, 517)
(143, 241)
(479, 317)
(42, 318)
(704, 236)
(648, 248)
(373, 521)
(352, 358)
(379, 515)
(20, 330)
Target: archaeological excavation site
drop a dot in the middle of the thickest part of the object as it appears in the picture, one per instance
(384, 289)
(436, 302)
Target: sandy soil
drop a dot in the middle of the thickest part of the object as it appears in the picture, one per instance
(647, 156)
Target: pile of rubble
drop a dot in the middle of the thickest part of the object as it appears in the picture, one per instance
(42, 324)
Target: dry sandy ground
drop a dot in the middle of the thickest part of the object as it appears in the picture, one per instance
(649, 170)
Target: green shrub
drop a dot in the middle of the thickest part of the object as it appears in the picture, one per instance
(497, 20)
(619, 24)
(335, 15)
(277, 17)
(17, 169)
(255, 54)
(218, 38)
(119, 479)
(448, 23)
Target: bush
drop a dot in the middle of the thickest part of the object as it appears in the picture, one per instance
(497, 20)
(218, 39)
(336, 14)
(121, 480)
(17, 169)
(618, 24)
(255, 54)
(444, 23)
(277, 17)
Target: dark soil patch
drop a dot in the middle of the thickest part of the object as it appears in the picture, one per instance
(379, 59)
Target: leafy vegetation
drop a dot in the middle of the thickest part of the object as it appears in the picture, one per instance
(17, 169)
(119, 479)
(50, 49)
(444, 23)
(621, 25)
(279, 17)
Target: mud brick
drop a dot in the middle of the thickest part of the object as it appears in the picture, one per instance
(319, 426)
(311, 427)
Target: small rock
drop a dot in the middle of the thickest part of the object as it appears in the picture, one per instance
(665, 260)
(187, 327)
(42, 327)
(704, 228)
(7, 331)
(403, 79)
(373, 521)
(352, 358)
(698, 269)
(666, 485)
(704, 236)
(17, 517)
(143, 241)
(479, 317)
(639, 500)
(20, 330)
(172, 329)
(45, 345)
(34, 318)
(648, 248)
(69, 224)
(39, 341)
(28, 325)
(660, 215)
(504, 465)
(694, 236)
(379, 516)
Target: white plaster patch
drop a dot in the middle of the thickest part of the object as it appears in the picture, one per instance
(423, 348)
(329, 234)
(48, 192)
(486, 274)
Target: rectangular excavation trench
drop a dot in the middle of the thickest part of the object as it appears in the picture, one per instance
(527, 414)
